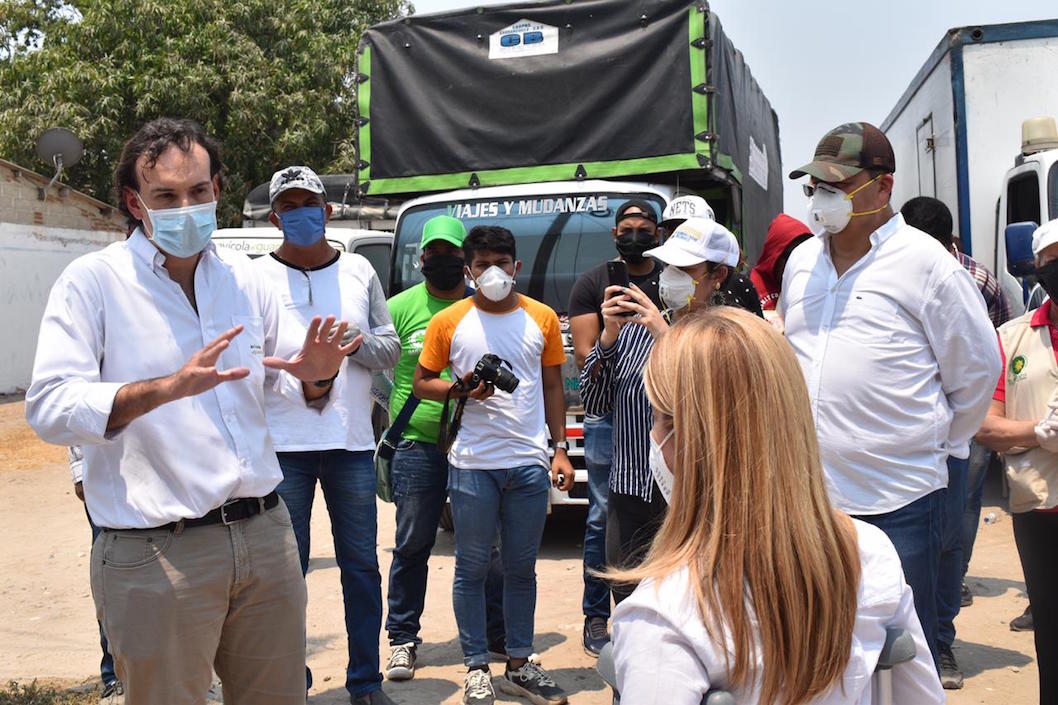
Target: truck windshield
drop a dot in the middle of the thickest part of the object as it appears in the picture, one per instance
(558, 237)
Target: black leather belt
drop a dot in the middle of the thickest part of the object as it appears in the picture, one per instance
(235, 510)
(227, 513)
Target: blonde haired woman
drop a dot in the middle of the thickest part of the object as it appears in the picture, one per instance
(753, 584)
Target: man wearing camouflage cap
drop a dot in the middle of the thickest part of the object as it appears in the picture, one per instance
(896, 347)
(333, 443)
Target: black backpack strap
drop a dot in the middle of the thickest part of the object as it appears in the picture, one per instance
(392, 437)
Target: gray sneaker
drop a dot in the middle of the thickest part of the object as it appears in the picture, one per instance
(950, 676)
(532, 683)
(401, 666)
(477, 688)
(113, 694)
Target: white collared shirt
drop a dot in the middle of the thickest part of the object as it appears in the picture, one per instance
(115, 317)
(348, 288)
(900, 359)
(663, 654)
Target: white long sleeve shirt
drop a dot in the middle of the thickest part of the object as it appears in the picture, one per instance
(900, 359)
(115, 317)
(664, 656)
(349, 289)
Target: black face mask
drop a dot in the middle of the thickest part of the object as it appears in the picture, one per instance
(1047, 275)
(631, 244)
(444, 272)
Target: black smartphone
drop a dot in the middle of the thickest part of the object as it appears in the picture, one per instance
(617, 271)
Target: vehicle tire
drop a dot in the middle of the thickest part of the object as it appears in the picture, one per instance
(446, 519)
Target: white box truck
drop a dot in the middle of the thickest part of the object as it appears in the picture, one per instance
(957, 135)
(545, 117)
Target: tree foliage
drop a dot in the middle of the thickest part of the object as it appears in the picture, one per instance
(271, 79)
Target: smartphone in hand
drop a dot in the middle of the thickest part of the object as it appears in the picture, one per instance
(617, 271)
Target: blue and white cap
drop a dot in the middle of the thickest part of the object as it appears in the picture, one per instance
(290, 177)
(698, 240)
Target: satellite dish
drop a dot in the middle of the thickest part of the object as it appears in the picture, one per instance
(58, 147)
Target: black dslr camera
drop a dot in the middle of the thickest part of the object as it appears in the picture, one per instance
(490, 368)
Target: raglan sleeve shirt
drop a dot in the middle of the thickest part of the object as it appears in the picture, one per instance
(380, 349)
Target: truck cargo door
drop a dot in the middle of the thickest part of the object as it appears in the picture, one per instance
(927, 172)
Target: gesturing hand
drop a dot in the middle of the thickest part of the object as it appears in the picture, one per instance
(322, 354)
(200, 374)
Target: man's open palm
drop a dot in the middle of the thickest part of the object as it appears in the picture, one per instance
(322, 354)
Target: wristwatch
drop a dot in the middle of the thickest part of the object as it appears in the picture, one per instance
(564, 445)
(324, 383)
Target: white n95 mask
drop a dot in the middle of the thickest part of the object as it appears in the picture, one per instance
(495, 284)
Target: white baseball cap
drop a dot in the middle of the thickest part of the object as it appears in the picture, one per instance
(290, 177)
(1044, 236)
(683, 207)
(698, 240)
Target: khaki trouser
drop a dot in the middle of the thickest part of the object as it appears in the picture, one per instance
(176, 603)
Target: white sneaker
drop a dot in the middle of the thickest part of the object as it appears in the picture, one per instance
(477, 688)
(401, 666)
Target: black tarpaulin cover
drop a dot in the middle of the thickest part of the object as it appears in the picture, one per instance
(559, 90)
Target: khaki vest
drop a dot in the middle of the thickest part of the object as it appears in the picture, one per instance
(1031, 376)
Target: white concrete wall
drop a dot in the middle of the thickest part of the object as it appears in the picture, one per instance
(31, 259)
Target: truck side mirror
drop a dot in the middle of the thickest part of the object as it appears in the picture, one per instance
(1020, 261)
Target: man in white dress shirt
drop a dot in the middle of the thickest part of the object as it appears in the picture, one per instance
(152, 355)
(897, 350)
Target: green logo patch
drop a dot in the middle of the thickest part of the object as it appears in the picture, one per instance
(1017, 364)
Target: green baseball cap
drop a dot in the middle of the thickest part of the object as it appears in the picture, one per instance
(443, 227)
(846, 151)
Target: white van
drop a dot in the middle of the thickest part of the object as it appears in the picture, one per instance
(375, 245)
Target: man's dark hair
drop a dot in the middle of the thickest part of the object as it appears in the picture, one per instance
(488, 237)
(930, 216)
(150, 141)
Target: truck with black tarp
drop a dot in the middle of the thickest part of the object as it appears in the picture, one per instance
(545, 117)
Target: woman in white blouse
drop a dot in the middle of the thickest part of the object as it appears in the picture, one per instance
(754, 584)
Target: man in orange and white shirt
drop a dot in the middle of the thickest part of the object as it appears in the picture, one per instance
(498, 475)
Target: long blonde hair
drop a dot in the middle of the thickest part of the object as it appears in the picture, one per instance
(750, 518)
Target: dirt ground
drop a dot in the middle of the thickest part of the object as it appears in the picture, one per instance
(48, 628)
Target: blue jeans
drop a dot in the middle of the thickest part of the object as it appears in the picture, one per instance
(980, 459)
(106, 664)
(515, 500)
(419, 473)
(598, 457)
(348, 482)
(949, 579)
(915, 531)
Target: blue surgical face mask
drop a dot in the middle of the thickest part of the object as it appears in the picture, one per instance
(183, 231)
(303, 226)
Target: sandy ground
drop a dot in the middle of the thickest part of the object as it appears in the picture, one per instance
(48, 628)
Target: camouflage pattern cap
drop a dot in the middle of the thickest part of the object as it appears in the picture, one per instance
(846, 151)
(290, 177)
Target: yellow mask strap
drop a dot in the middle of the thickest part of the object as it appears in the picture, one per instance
(853, 193)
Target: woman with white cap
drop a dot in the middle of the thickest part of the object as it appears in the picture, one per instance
(701, 256)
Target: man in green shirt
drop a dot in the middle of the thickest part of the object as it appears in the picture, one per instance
(419, 471)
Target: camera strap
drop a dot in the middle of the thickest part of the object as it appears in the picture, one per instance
(447, 432)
